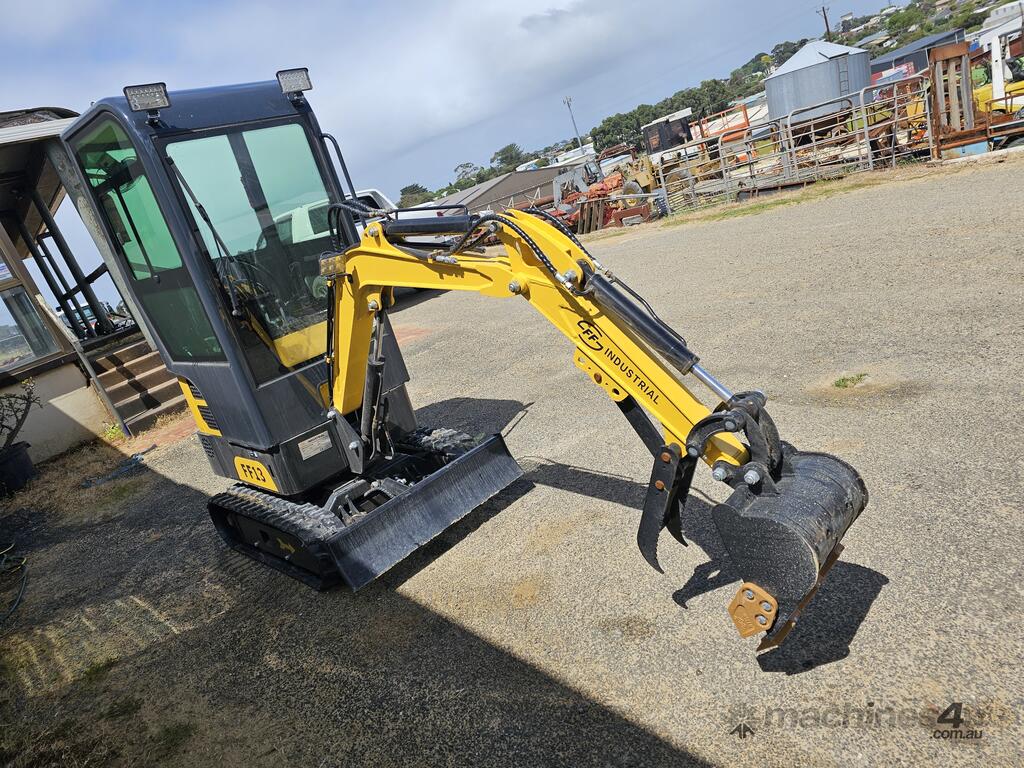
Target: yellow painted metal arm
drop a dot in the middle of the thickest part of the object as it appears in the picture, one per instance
(610, 354)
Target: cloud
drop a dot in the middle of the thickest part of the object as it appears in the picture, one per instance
(23, 22)
(410, 87)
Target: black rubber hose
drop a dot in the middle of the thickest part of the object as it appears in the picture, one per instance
(488, 217)
(560, 225)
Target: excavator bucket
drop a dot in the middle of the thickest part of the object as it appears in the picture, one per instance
(783, 537)
(782, 524)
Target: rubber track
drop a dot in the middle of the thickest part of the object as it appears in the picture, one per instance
(306, 522)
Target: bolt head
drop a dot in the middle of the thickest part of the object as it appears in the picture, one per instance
(354, 445)
(373, 305)
(719, 473)
(762, 620)
(751, 477)
(659, 485)
(766, 606)
(666, 457)
(749, 594)
(731, 426)
(514, 287)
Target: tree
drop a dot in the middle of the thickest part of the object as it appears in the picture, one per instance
(465, 171)
(712, 96)
(508, 157)
(617, 129)
(414, 194)
(782, 51)
(898, 22)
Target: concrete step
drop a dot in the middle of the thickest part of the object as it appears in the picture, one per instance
(137, 403)
(139, 383)
(109, 361)
(129, 369)
(144, 421)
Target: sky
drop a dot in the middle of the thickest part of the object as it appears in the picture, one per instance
(411, 89)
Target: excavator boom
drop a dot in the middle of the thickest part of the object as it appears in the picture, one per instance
(266, 289)
(788, 510)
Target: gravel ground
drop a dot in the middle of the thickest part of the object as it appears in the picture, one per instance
(532, 633)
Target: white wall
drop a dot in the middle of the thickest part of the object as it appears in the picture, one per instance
(71, 414)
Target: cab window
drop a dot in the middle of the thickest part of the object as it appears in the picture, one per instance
(126, 202)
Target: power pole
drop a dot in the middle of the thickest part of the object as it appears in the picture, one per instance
(824, 14)
(568, 102)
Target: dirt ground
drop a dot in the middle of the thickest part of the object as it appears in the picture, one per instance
(532, 633)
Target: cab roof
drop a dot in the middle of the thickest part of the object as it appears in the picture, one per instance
(199, 108)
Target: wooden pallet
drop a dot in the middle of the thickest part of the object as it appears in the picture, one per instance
(591, 216)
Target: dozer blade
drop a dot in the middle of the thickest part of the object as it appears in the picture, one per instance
(315, 546)
(783, 537)
(375, 543)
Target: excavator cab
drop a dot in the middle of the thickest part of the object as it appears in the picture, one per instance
(221, 212)
(212, 205)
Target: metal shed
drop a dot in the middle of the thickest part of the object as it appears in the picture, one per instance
(818, 72)
(916, 53)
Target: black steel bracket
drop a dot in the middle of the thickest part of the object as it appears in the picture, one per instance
(745, 414)
(666, 496)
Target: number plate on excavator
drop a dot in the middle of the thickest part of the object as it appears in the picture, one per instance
(252, 472)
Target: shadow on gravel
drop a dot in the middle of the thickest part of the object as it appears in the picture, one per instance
(406, 298)
(143, 640)
(825, 630)
(827, 626)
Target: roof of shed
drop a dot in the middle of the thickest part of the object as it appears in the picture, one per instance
(813, 53)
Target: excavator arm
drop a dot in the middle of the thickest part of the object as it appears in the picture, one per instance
(788, 510)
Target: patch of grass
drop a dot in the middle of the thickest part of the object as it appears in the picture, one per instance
(171, 738)
(26, 745)
(58, 488)
(845, 382)
(58, 485)
(6, 666)
(817, 191)
(125, 707)
(94, 673)
(112, 433)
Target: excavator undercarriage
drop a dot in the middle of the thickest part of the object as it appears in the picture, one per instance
(266, 288)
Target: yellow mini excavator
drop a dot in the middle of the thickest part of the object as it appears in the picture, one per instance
(265, 285)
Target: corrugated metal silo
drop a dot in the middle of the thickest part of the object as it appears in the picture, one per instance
(816, 73)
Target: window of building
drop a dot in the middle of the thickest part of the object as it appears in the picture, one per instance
(23, 335)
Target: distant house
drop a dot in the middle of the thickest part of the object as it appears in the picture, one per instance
(875, 40)
(915, 53)
(1001, 20)
(505, 191)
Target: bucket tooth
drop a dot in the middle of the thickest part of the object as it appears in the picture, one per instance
(753, 610)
